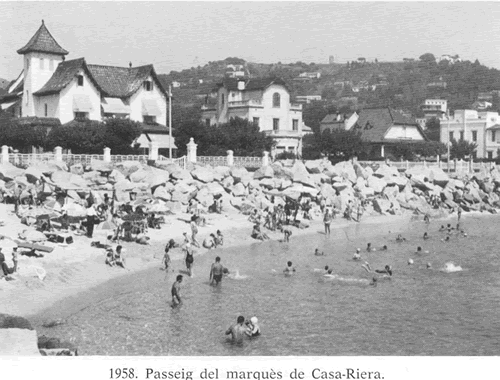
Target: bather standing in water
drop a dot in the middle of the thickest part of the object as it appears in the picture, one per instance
(176, 291)
(289, 268)
(238, 331)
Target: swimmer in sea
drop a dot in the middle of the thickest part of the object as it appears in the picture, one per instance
(318, 253)
(328, 270)
(384, 248)
(429, 266)
(419, 250)
(369, 247)
(238, 331)
(386, 271)
(216, 272)
(410, 262)
(442, 228)
(357, 255)
(176, 291)
(426, 236)
(289, 268)
(253, 327)
(446, 239)
(400, 239)
(373, 282)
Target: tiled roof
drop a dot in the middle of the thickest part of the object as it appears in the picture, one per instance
(43, 42)
(111, 81)
(154, 128)
(252, 84)
(331, 118)
(121, 82)
(64, 74)
(373, 123)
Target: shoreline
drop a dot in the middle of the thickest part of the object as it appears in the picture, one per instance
(68, 277)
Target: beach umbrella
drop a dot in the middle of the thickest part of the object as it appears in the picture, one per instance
(53, 205)
(47, 216)
(74, 209)
(33, 235)
(107, 225)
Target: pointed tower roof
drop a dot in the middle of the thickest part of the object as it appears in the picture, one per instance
(43, 42)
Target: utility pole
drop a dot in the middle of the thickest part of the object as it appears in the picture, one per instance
(170, 121)
(449, 141)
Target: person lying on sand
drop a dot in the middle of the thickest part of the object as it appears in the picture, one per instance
(357, 255)
(257, 234)
(209, 242)
(318, 253)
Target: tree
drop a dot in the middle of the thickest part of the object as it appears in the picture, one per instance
(239, 135)
(119, 134)
(335, 144)
(20, 134)
(462, 149)
(433, 129)
(427, 57)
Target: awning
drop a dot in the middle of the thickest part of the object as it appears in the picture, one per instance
(495, 127)
(115, 105)
(7, 105)
(150, 107)
(163, 141)
(81, 103)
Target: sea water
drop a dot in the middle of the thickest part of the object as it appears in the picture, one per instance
(450, 309)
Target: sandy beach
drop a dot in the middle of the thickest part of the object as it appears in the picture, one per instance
(79, 267)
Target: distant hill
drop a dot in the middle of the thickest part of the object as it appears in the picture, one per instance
(403, 85)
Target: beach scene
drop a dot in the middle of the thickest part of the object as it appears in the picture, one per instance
(314, 193)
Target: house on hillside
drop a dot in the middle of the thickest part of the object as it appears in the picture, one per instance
(384, 127)
(450, 58)
(434, 108)
(338, 121)
(265, 102)
(53, 88)
(481, 105)
(485, 96)
(313, 75)
(308, 98)
(482, 128)
(438, 84)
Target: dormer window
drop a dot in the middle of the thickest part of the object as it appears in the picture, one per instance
(276, 100)
(80, 80)
(149, 119)
(42, 64)
(148, 85)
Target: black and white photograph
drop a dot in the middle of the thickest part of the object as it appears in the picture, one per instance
(249, 179)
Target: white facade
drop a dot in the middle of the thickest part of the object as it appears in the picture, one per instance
(283, 122)
(482, 128)
(404, 132)
(38, 69)
(136, 104)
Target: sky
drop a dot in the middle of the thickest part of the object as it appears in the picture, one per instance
(178, 35)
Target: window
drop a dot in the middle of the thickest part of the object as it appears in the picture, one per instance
(291, 149)
(490, 154)
(51, 65)
(81, 115)
(148, 85)
(27, 97)
(461, 135)
(295, 124)
(46, 110)
(222, 99)
(451, 136)
(474, 155)
(149, 119)
(474, 136)
(256, 121)
(80, 80)
(493, 136)
(42, 64)
(276, 100)
(276, 124)
(207, 122)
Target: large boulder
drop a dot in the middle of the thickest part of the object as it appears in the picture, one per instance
(238, 173)
(33, 174)
(128, 167)
(203, 174)
(222, 171)
(215, 188)
(8, 172)
(267, 183)
(398, 181)
(180, 174)
(162, 193)
(377, 184)
(264, 172)
(346, 170)
(61, 177)
(115, 176)
(327, 191)
(391, 192)
(281, 171)
(179, 196)
(204, 197)
(438, 177)
(314, 166)
(381, 205)
(138, 176)
(385, 170)
(285, 183)
(239, 190)
(77, 169)
(360, 171)
(227, 182)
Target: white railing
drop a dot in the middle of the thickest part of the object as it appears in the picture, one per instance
(182, 161)
(120, 158)
(29, 159)
(455, 165)
(248, 162)
(212, 161)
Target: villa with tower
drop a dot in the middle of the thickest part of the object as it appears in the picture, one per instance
(53, 89)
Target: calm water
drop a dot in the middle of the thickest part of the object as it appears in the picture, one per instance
(418, 312)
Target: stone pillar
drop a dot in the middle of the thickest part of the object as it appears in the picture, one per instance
(191, 151)
(153, 151)
(5, 154)
(438, 159)
(265, 159)
(382, 151)
(58, 153)
(230, 158)
(107, 154)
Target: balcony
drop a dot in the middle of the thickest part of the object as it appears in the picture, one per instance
(296, 107)
(245, 103)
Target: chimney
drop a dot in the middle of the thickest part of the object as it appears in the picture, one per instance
(241, 84)
(130, 65)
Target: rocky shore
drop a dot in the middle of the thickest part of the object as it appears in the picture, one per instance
(381, 190)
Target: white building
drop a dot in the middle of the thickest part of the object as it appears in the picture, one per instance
(307, 98)
(265, 102)
(314, 75)
(481, 128)
(450, 58)
(50, 86)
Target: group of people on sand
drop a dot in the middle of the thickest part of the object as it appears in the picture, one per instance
(115, 257)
